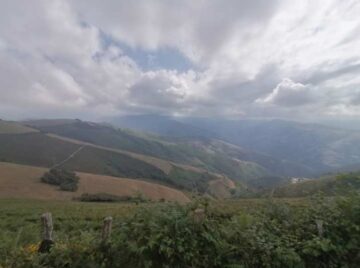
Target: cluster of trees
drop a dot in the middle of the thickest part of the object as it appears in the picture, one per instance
(65, 179)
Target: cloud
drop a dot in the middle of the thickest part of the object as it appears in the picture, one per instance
(340, 69)
(356, 99)
(93, 59)
(197, 29)
(157, 91)
(288, 93)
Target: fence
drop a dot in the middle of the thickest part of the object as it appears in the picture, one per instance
(47, 228)
(47, 231)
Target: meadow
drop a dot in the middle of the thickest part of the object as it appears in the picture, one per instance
(20, 181)
(311, 232)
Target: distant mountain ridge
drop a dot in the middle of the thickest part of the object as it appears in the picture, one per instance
(315, 147)
(255, 154)
(161, 125)
(206, 153)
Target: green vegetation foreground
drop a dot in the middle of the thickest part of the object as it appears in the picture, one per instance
(314, 232)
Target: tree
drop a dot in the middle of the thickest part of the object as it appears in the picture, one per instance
(65, 179)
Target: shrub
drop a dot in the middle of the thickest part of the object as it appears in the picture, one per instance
(168, 236)
(325, 233)
(66, 180)
(104, 197)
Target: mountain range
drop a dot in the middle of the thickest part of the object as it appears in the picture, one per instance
(193, 155)
(316, 148)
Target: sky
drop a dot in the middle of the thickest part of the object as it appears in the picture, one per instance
(90, 59)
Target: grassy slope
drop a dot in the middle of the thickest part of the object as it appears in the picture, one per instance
(328, 185)
(39, 149)
(181, 176)
(34, 149)
(221, 187)
(164, 165)
(7, 127)
(20, 181)
(203, 154)
(109, 137)
(98, 161)
(21, 144)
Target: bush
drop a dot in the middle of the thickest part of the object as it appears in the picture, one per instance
(168, 236)
(326, 233)
(66, 180)
(104, 197)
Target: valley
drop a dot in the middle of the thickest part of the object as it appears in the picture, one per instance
(155, 186)
(195, 165)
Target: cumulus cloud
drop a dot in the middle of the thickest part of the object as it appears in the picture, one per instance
(197, 28)
(288, 93)
(157, 90)
(71, 58)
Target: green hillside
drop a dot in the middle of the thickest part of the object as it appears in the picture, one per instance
(38, 149)
(255, 170)
(34, 149)
(97, 161)
(209, 154)
(107, 136)
(329, 185)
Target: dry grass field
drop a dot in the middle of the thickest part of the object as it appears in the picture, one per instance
(7, 127)
(20, 181)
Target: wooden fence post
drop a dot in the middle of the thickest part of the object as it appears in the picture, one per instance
(106, 230)
(320, 227)
(199, 215)
(47, 232)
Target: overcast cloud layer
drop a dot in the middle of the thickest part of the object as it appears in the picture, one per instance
(259, 58)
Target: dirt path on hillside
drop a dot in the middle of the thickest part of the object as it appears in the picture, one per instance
(68, 158)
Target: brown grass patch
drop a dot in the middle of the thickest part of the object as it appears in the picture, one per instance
(7, 127)
(20, 181)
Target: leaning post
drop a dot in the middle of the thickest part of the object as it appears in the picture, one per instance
(106, 230)
(47, 232)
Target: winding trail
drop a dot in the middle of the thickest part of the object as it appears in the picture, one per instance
(68, 158)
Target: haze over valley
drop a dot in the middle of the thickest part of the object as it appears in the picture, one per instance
(158, 133)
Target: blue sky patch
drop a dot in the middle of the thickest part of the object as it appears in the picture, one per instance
(162, 58)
